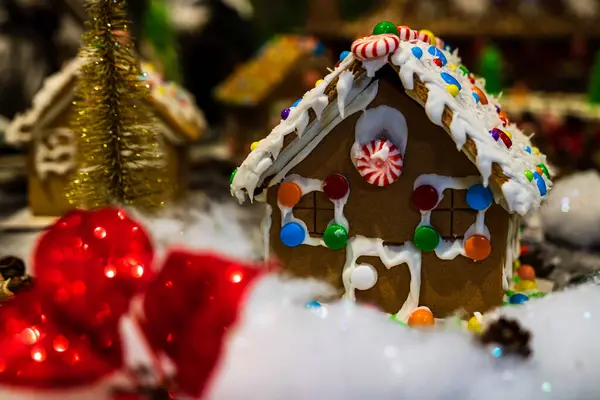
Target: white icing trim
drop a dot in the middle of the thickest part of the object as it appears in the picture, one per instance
(374, 121)
(513, 249)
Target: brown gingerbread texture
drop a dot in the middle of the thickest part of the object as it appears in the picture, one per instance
(452, 140)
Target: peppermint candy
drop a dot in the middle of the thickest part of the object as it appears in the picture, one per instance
(379, 162)
(406, 34)
(375, 46)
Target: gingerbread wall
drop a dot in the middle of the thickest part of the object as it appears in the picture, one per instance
(388, 213)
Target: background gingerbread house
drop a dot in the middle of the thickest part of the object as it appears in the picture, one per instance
(45, 129)
(254, 94)
(398, 157)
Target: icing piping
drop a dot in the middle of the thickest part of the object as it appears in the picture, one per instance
(343, 87)
(512, 249)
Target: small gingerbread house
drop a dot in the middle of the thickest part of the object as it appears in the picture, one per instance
(398, 180)
(256, 91)
(45, 128)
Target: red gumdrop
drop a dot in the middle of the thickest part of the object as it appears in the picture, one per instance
(39, 349)
(425, 197)
(94, 267)
(335, 186)
(189, 308)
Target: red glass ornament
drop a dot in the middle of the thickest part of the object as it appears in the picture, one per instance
(92, 263)
(438, 62)
(189, 308)
(425, 197)
(336, 186)
(39, 348)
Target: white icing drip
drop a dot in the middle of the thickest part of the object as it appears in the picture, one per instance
(343, 87)
(474, 230)
(381, 120)
(58, 155)
(266, 229)
(338, 211)
(450, 249)
(480, 227)
(440, 183)
(307, 185)
(374, 65)
(513, 241)
(425, 219)
(390, 256)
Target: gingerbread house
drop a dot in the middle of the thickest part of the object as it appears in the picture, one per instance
(398, 180)
(256, 92)
(45, 129)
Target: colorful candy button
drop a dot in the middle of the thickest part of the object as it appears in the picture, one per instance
(289, 194)
(540, 183)
(450, 80)
(476, 97)
(527, 149)
(536, 151)
(478, 247)
(296, 103)
(335, 237)
(426, 238)
(317, 83)
(313, 304)
(526, 272)
(463, 70)
(385, 27)
(525, 285)
(285, 114)
(421, 316)
(495, 132)
(426, 36)
(344, 54)
(417, 52)
(425, 197)
(453, 90)
(363, 277)
(336, 186)
(232, 176)
(518, 298)
(529, 175)
(254, 145)
(544, 170)
(437, 53)
(479, 197)
(292, 234)
(474, 325)
(482, 97)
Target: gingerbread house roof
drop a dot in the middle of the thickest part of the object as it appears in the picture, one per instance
(451, 97)
(175, 106)
(252, 82)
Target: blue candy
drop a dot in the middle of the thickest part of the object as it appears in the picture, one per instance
(518, 298)
(476, 97)
(292, 234)
(296, 103)
(450, 80)
(343, 55)
(417, 52)
(313, 304)
(479, 197)
(540, 183)
(527, 149)
(434, 51)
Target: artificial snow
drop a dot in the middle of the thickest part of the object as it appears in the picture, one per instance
(282, 350)
(572, 211)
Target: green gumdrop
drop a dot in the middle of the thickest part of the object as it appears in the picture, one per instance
(385, 27)
(529, 175)
(463, 70)
(510, 293)
(232, 176)
(335, 236)
(544, 170)
(426, 238)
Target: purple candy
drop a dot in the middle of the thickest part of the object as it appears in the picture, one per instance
(285, 114)
(495, 133)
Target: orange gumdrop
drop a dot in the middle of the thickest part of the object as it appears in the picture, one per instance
(539, 170)
(478, 247)
(421, 316)
(482, 97)
(289, 194)
(526, 272)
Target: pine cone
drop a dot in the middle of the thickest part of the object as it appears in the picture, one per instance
(509, 336)
(11, 267)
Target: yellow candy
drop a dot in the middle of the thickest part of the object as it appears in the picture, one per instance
(430, 35)
(524, 286)
(452, 67)
(508, 134)
(319, 82)
(474, 325)
(453, 90)
(536, 151)
(253, 146)
(516, 264)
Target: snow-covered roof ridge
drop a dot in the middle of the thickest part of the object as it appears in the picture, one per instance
(453, 99)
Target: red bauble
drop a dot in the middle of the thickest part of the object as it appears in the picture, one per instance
(39, 349)
(92, 263)
(189, 309)
(335, 186)
(425, 197)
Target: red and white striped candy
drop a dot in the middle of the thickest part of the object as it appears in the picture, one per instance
(379, 162)
(439, 43)
(406, 34)
(375, 46)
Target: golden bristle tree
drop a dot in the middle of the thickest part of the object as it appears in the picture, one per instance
(120, 159)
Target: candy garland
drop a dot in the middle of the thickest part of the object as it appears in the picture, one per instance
(293, 230)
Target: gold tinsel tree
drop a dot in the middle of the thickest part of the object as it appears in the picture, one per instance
(120, 159)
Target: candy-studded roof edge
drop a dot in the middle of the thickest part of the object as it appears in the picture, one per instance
(185, 117)
(452, 98)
